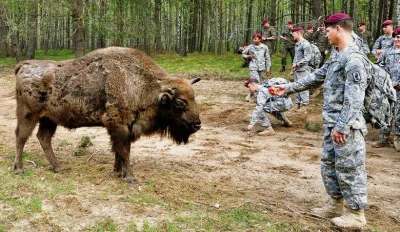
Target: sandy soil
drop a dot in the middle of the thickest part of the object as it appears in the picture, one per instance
(279, 174)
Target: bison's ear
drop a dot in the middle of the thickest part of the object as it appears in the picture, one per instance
(195, 80)
(166, 96)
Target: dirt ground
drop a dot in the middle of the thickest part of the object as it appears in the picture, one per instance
(279, 174)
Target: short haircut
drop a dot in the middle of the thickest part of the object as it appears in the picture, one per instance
(346, 24)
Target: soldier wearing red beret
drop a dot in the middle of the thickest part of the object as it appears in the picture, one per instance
(289, 42)
(309, 34)
(385, 40)
(268, 35)
(365, 35)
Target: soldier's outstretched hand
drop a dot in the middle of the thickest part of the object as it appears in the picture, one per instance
(268, 73)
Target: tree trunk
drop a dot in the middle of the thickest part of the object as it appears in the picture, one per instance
(203, 21)
(391, 8)
(398, 12)
(344, 6)
(101, 40)
(316, 9)
(3, 30)
(157, 21)
(351, 11)
(273, 12)
(178, 28)
(32, 29)
(220, 28)
(78, 35)
(229, 29)
(248, 29)
(194, 25)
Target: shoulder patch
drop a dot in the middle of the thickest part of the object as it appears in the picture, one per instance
(356, 76)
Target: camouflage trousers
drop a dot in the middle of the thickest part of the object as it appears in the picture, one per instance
(258, 75)
(343, 168)
(264, 120)
(285, 53)
(304, 96)
(395, 121)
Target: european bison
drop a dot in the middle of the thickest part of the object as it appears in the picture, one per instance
(121, 89)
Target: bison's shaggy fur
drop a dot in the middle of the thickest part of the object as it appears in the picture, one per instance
(121, 89)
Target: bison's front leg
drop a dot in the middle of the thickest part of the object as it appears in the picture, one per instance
(121, 146)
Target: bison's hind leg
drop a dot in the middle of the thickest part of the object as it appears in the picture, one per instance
(26, 122)
(47, 128)
(121, 146)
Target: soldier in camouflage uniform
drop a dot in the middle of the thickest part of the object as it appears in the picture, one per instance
(289, 43)
(365, 35)
(385, 40)
(260, 60)
(266, 103)
(309, 35)
(345, 76)
(390, 60)
(268, 35)
(301, 66)
(322, 43)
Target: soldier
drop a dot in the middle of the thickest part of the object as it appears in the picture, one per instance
(365, 35)
(260, 60)
(309, 35)
(345, 76)
(288, 44)
(385, 40)
(268, 35)
(301, 66)
(266, 103)
(390, 60)
(322, 43)
(245, 60)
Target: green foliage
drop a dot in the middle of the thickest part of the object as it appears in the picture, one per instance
(64, 143)
(106, 225)
(314, 127)
(85, 142)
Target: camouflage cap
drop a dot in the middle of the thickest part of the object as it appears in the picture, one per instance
(250, 80)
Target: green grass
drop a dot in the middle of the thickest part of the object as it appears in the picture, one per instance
(206, 65)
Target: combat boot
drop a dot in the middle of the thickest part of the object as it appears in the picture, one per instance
(267, 132)
(396, 142)
(333, 208)
(382, 142)
(351, 219)
(282, 69)
(286, 122)
(302, 108)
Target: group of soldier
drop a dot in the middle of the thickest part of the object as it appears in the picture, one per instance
(345, 76)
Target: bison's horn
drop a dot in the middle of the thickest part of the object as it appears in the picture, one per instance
(194, 80)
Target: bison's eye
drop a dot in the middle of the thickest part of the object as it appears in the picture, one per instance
(180, 104)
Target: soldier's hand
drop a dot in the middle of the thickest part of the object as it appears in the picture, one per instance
(326, 52)
(338, 137)
(277, 90)
(250, 127)
(294, 65)
(268, 73)
(250, 57)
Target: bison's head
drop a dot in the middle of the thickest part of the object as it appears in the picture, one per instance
(179, 114)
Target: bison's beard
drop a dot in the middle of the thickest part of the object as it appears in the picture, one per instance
(178, 133)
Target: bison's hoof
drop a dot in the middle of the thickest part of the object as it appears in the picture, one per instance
(132, 180)
(18, 171)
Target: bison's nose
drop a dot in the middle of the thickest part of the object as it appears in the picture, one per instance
(196, 126)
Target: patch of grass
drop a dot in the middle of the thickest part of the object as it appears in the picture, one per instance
(106, 225)
(62, 189)
(85, 142)
(314, 127)
(209, 103)
(64, 143)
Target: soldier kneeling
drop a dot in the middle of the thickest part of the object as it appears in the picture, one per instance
(266, 103)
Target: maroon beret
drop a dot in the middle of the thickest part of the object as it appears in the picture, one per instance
(361, 24)
(256, 35)
(336, 18)
(264, 21)
(387, 22)
(396, 32)
(309, 27)
(246, 44)
(290, 23)
(250, 80)
(297, 29)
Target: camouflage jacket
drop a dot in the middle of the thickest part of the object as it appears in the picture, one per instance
(289, 43)
(261, 60)
(345, 77)
(390, 60)
(359, 42)
(309, 37)
(302, 55)
(382, 42)
(268, 32)
(321, 41)
(269, 103)
(367, 38)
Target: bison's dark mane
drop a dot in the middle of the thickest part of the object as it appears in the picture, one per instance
(175, 131)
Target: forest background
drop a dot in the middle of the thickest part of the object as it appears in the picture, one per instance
(157, 26)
